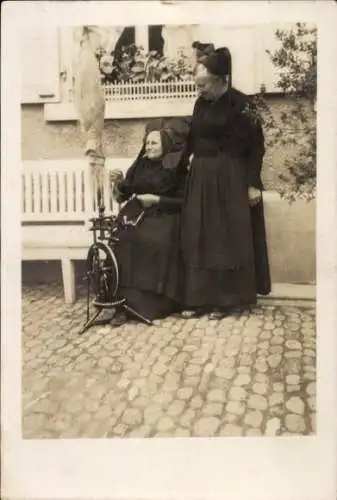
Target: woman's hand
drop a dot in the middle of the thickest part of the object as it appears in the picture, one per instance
(116, 175)
(148, 199)
(254, 196)
(117, 194)
(190, 159)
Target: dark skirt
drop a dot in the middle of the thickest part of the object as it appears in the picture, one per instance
(217, 235)
(149, 262)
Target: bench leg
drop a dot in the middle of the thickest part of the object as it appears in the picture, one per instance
(68, 276)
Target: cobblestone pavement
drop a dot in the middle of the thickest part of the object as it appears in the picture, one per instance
(247, 376)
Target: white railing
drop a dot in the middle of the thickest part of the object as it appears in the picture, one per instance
(160, 91)
(150, 91)
(59, 190)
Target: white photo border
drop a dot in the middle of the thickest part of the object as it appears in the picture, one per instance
(177, 468)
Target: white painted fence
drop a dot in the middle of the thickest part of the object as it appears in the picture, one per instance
(177, 90)
(58, 190)
(150, 91)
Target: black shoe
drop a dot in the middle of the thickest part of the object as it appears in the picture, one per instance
(193, 313)
(218, 314)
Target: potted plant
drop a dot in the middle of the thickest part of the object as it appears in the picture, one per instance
(134, 65)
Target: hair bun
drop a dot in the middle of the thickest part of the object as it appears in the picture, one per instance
(217, 61)
(203, 49)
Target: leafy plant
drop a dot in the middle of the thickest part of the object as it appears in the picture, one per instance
(296, 61)
(133, 64)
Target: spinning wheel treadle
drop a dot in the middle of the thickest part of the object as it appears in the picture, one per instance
(102, 273)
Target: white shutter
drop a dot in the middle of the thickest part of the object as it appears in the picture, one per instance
(240, 42)
(177, 38)
(142, 37)
(40, 81)
(268, 73)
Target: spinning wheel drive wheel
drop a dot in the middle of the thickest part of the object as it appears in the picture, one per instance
(103, 274)
(103, 283)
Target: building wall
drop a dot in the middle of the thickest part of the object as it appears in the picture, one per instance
(122, 138)
(291, 229)
(290, 238)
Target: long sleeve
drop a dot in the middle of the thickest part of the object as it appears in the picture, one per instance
(189, 141)
(168, 202)
(175, 199)
(121, 191)
(254, 157)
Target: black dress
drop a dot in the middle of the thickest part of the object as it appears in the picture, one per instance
(223, 239)
(148, 253)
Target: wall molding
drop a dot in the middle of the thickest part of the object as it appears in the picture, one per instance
(62, 112)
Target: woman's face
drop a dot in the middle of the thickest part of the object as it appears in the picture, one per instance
(153, 145)
(208, 86)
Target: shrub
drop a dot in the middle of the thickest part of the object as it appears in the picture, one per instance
(296, 61)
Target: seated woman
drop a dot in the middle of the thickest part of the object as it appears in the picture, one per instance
(148, 250)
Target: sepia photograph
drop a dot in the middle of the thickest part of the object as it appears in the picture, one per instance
(168, 230)
(168, 257)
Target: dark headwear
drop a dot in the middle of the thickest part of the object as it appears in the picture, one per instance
(174, 133)
(217, 61)
(202, 49)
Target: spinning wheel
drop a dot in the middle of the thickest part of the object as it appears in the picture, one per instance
(102, 273)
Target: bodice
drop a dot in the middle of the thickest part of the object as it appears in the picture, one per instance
(220, 126)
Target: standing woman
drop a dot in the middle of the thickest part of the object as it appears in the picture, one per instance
(223, 231)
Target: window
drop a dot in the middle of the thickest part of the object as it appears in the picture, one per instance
(127, 38)
(241, 42)
(40, 80)
(156, 40)
(55, 50)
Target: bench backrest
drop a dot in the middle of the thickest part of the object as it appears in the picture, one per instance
(58, 190)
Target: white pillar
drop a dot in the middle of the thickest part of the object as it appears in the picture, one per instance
(177, 38)
(142, 37)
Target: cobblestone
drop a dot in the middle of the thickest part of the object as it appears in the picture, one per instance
(243, 379)
(260, 388)
(276, 398)
(254, 418)
(251, 375)
(206, 426)
(237, 393)
(295, 423)
(257, 402)
(311, 389)
(216, 395)
(176, 408)
(295, 405)
(212, 409)
(273, 427)
(236, 407)
(231, 430)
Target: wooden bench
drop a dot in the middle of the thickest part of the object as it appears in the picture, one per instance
(56, 207)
